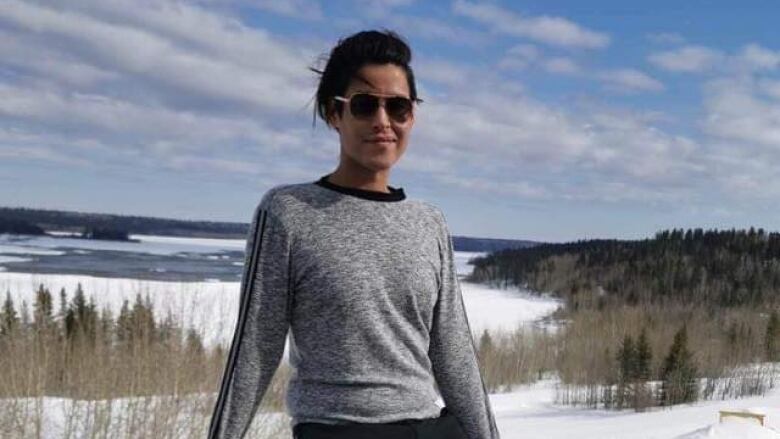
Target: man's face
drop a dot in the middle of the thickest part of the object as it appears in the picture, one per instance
(377, 142)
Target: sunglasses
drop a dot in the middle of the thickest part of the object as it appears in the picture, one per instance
(365, 105)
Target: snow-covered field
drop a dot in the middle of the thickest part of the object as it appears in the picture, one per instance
(526, 412)
(212, 307)
(529, 412)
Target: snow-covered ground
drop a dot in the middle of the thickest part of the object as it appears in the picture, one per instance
(212, 307)
(526, 412)
(529, 412)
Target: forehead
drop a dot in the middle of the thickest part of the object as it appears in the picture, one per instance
(380, 78)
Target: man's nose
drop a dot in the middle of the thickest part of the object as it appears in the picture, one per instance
(381, 118)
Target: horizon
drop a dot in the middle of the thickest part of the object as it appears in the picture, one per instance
(548, 121)
(650, 236)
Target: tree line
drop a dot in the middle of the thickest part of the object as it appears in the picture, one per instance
(78, 221)
(688, 314)
(63, 340)
(723, 268)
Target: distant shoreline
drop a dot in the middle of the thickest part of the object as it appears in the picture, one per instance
(59, 221)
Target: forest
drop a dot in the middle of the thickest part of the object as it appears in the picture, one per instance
(685, 315)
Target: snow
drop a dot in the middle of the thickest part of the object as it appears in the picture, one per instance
(530, 412)
(225, 244)
(6, 248)
(151, 244)
(462, 266)
(734, 429)
(503, 310)
(526, 412)
(112, 418)
(4, 259)
(212, 306)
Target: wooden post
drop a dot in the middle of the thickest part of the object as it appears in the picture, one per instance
(727, 413)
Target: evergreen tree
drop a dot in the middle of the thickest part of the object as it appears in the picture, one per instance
(771, 347)
(63, 310)
(25, 321)
(141, 319)
(124, 325)
(105, 326)
(169, 331)
(75, 313)
(678, 376)
(81, 316)
(42, 310)
(193, 345)
(644, 357)
(486, 350)
(626, 358)
(9, 320)
(486, 346)
(70, 323)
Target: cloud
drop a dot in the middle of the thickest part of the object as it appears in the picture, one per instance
(169, 61)
(21, 145)
(189, 89)
(555, 31)
(626, 80)
(630, 80)
(561, 65)
(299, 9)
(771, 88)
(631, 145)
(751, 58)
(442, 71)
(382, 5)
(690, 59)
(429, 28)
(523, 56)
(513, 187)
(756, 57)
(520, 57)
(152, 87)
(558, 154)
(666, 38)
(738, 109)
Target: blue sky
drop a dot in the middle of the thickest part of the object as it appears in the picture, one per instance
(544, 120)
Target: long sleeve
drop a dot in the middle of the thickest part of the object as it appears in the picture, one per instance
(261, 329)
(453, 354)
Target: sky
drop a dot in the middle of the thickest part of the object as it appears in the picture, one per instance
(543, 120)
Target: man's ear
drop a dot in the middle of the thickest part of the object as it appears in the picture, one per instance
(334, 118)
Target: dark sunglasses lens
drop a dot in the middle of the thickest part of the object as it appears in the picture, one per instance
(398, 108)
(363, 105)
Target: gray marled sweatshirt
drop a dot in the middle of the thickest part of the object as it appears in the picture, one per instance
(365, 282)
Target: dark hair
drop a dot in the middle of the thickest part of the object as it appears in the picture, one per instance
(350, 55)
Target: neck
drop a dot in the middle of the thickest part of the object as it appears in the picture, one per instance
(365, 179)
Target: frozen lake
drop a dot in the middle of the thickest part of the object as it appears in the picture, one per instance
(152, 257)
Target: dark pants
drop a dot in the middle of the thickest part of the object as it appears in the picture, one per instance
(446, 426)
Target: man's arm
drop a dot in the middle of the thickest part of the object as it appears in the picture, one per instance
(261, 329)
(453, 354)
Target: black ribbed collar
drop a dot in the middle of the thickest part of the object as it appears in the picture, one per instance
(396, 194)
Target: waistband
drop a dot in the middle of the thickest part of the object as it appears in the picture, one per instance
(359, 427)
